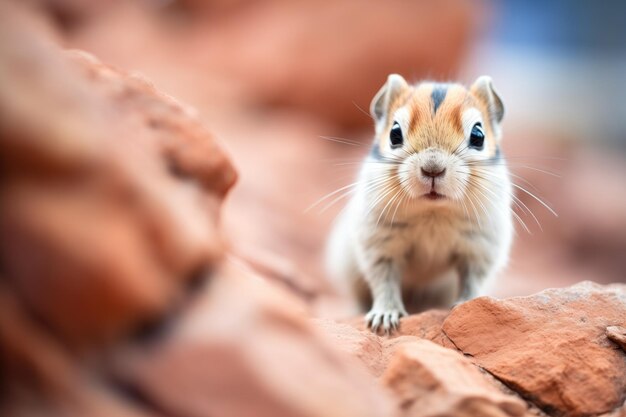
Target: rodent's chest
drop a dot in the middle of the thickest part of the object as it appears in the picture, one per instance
(415, 237)
(432, 243)
(422, 241)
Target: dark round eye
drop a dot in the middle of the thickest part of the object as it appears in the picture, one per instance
(477, 137)
(395, 135)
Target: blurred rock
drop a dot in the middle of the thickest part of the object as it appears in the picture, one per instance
(620, 412)
(105, 182)
(326, 58)
(40, 379)
(330, 57)
(110, 196)
(245, 348)
(550, 347)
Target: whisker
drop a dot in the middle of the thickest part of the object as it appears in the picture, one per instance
(518, 206)
(341, 140)
(512, 165)
(384, 193)
(387, 205)
(329, 195)
(392, 199)
(363, 111)
(402, 199)
(517, 201)
(519, 187)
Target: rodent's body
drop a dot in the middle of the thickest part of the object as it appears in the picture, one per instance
(429, 222)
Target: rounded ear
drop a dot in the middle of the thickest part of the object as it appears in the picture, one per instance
(484, 91)
(386, 95)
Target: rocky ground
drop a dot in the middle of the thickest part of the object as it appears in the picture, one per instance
(124, 293)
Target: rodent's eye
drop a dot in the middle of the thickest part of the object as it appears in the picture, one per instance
(395, 135)
(477, 136)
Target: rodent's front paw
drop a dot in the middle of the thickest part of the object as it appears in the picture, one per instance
(387, 319)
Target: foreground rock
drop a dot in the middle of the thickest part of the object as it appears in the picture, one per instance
(550, 347)
(243, 348)
(558, 349)
(430, 380)
(425, 378)
(108, 213)
(118, 294)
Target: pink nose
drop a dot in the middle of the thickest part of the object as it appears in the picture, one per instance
(433, 172)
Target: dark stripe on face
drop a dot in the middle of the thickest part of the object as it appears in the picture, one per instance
(438, 95)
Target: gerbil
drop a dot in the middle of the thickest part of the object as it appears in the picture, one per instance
(430, 216)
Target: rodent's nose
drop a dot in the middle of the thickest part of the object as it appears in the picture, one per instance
(433, 172)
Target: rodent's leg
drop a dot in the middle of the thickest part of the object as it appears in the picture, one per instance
(383, 278)
(471, 276)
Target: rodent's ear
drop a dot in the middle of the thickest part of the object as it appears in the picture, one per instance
(484, 91)
(386, 95)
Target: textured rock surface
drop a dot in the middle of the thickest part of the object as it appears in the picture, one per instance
(430, 380)
(617, 334)
(426, 379)
(551, 347)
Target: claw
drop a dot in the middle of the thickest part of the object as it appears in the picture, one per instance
(386, 323)
(387, 320)
(395, 318)
(376, 322)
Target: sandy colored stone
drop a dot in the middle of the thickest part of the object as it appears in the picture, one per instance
(430, 380)
(550, 347)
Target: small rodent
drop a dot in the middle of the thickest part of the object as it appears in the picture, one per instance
(429, 222)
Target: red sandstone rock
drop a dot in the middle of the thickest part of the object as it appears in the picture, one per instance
(41, 380)
(110, 194)
(618, 335)
(346, 47)
(620, 412)
(425, 325)
(426, 379)
(110, 190)
(430, 380)
(374, 350)
(244, 348)
(551, 347)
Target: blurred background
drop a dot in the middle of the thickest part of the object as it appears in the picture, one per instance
(270, 78)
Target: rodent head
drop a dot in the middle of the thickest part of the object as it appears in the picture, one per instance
(440, 141)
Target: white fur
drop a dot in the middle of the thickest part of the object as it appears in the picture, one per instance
(399, 241)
